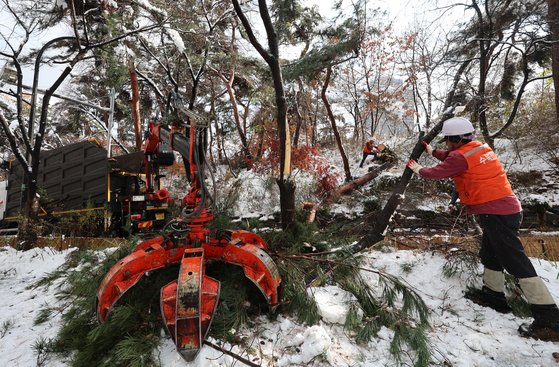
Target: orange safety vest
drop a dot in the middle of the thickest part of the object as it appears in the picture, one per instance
(485, 179)
(368, 148)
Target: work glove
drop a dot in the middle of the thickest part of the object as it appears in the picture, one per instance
(428, 148)
(414, 166)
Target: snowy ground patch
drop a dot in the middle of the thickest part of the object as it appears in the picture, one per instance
(462, 333)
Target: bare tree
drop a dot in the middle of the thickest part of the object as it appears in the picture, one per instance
(425, 64)
(350, 81)
(509, 39)
(376, 85)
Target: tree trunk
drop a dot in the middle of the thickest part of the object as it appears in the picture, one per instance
(481, 106)
(136, 107)
(228, 81)
(553, 20)
(236, 116)
(378, 232)
(260, 143)
(334, 126)
(478, 112)
(27, 232)
(313, 128)
(287, 203)
(299, 123)
(27, 235)
(301, 120)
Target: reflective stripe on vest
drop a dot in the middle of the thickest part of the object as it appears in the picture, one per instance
(485, 179)
(469, 153)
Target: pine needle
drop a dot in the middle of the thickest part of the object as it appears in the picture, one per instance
(136, 351)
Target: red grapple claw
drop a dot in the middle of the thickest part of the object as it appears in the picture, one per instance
(189, 303)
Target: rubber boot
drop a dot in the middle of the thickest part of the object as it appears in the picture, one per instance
(488, 298)
(545, 326)
(544, 310)
(492, 294)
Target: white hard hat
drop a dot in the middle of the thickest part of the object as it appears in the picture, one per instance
(457, 126)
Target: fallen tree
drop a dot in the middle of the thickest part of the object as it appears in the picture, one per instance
(358, 182)
(346, 188)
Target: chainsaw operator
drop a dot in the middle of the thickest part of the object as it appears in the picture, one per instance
(369, 149)
(484, 189)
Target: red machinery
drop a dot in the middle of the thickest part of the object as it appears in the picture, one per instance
(188, 303)
(150, 209)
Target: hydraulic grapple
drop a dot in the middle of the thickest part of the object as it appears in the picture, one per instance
(188, 303)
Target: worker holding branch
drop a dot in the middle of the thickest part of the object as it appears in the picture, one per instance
(483, 187)
(369, 149)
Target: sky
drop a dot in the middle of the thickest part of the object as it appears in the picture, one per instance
(400, 13)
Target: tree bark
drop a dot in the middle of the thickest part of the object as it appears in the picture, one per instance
(553, 21)
(136, 107)
(334, 126)
(287, 202)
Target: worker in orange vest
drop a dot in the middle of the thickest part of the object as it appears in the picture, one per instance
(483, 187)
(369, 149)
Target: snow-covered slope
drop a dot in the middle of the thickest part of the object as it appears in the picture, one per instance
(462, 334)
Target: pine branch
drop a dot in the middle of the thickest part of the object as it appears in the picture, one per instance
(393, 304)
(296, 297)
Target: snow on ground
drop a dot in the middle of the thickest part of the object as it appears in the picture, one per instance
(462, 334)
(20, 305)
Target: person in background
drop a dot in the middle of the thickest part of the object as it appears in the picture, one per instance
(483, 187)
(369, 149)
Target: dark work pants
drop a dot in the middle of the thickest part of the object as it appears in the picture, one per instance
(365, 155)
(501, 247)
